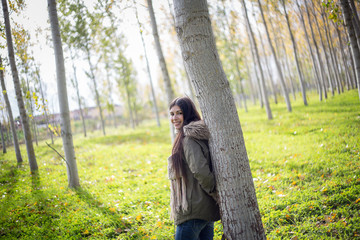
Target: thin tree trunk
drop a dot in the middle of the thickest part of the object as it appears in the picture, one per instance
(330, 68)
(253, 92)
(353, 40)
(97, 97)
(351, 57)
(45, 107)
(2, 139)
(31, 119)
(148, 69)
(286, 67)
(346, 69)
(71, 166)
(298, 68)
(257, 57)
(75, 84)
(332, 54)
(281, 76)
(19, 97)
(318, 77)
(356, 21)
(236, 59)
(270, 75)
(132, 122)
(168, 88)
(240, 212)
(111, 101)
(10, 116)
(319, 61)
(254, 65)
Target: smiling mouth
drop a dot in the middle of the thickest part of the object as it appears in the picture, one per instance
(176, 123)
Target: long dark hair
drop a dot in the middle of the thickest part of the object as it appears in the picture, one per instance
(190, 114)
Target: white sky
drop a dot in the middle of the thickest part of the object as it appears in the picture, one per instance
(36, 16)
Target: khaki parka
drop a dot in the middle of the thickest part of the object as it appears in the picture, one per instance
(200, 185)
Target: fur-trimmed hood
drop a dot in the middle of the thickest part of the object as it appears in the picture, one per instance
(197, 130)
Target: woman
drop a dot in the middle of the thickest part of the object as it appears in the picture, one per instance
(193, 205)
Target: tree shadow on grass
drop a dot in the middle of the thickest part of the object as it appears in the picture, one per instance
(116, 225)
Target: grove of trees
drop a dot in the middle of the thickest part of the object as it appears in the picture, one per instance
(142, 54)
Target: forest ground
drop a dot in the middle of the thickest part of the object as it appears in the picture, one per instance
(305, 166)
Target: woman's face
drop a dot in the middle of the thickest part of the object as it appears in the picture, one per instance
(176, 117)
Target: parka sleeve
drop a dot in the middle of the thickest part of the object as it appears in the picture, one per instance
(199, 165)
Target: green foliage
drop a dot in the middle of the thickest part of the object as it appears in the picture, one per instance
(305, 165)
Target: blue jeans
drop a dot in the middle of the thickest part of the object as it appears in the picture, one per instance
(195, 229)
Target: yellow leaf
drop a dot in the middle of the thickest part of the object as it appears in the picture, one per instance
(138, 217)
(112, 209)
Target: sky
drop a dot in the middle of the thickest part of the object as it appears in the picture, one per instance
(36, 16)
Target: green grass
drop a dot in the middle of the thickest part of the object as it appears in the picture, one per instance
(305, 165)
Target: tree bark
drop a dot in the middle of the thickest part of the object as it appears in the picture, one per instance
(73, 177)
(11, 118)
(353, 40)
(238, 204)
(23, 115)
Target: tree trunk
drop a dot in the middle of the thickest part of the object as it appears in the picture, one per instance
(318, 75)
(332, 52)
(19, 97)
(75, 84)
(281, 76)
(319, 61)
(148, 69)
(355, 20)
(45, 108)
(238, 204)
(73, 178)
(252, 89)
(168, 88)
(132, 122)
(236, 59)
(10, 116)
(351, 57)
(97, 97)
(346, 69)
(296, 57)
(353, 40)
(2, 139)
(270, 75)
(330, 68)
(263, 91)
